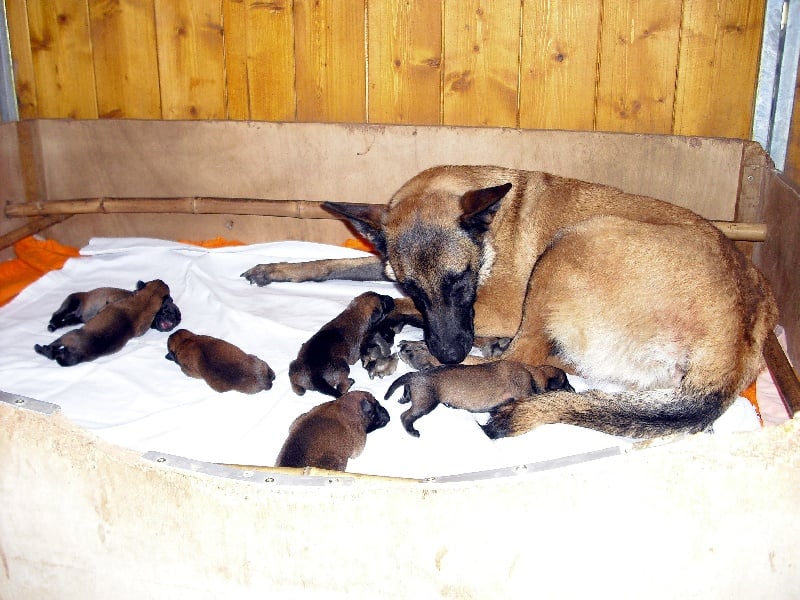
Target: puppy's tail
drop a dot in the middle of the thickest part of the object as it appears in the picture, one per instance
(640, 414)
(400, 381)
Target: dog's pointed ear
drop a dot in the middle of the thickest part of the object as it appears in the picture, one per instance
(366, 218)
(479, 207)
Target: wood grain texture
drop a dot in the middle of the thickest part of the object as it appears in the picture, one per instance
(481, 62)
(125, 60)
(62, 57)
(24, 72)
(558, 70)
(330, 60)
(718, 68)
(405, 61)
(190, 59)
(638, 63)
(270, 60)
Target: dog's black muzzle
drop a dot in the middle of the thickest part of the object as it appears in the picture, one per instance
(449, 335)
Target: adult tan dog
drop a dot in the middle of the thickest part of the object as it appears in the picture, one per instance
(608, 285)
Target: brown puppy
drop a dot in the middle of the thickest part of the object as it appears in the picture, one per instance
(609, 285)
(331, 433)
(476, 388)
(79, 307)
(110, 329)
(222, 365)
(323, 363)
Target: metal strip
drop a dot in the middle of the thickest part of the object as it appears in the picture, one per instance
(784, 99)
(250, 475)
(8, 95)
(46, 408)
(768, 72)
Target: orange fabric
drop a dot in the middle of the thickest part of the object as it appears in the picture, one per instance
(34, 258)
(217, 242)
(750, 394)
(358, 244)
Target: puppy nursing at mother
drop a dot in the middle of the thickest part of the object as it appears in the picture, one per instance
(476, 388)
(323, 363)
(582, 276)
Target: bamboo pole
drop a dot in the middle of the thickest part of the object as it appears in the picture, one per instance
(782, 372)
(300, 209)
(31, 227)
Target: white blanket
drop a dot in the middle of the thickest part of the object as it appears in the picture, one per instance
(138, 399)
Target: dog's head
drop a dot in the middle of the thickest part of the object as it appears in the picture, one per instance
(433, 242)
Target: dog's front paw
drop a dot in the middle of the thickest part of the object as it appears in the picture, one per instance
(270, 273)
(417, 355)
(381, 367)
(500, 423)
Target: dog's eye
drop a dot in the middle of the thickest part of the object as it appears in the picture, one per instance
(416, 293)
(459, 288)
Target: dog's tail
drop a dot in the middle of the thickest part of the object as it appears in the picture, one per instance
(635, 414)
(400, 381)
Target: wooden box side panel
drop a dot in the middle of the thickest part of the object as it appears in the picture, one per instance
(779, 256)
(83, 519)
(366, 163)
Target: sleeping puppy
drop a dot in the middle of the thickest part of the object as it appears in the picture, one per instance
(333, 432)
(222, 365)
(110, 329)
(323, 363)
(476, 388)
(79, 307)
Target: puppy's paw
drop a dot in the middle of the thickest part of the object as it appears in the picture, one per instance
(417, 355)
(492, 347)
(381, 367)
(500, 423)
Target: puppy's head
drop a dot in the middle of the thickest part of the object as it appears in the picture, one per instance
(174, 342)
(372, 414)
(168, 316)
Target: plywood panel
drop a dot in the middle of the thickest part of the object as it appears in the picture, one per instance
(330, 60)
(363, 163)
(481, 62)
(558, 71)
(24, 73)
(270, 60)
(638, 62)
(405, 61)
(125, 58)
(718, 68)
(190, 59)
(234, 19)
(62, 58)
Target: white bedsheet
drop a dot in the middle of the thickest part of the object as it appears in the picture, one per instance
(139, 400)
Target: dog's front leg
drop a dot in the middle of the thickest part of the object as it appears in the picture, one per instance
(367, 268)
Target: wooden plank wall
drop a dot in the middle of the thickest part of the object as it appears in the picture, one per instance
(652, 66)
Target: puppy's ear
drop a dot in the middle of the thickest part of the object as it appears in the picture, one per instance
(480, 206)
(140, 284)
(367, 219)
(366, 407)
